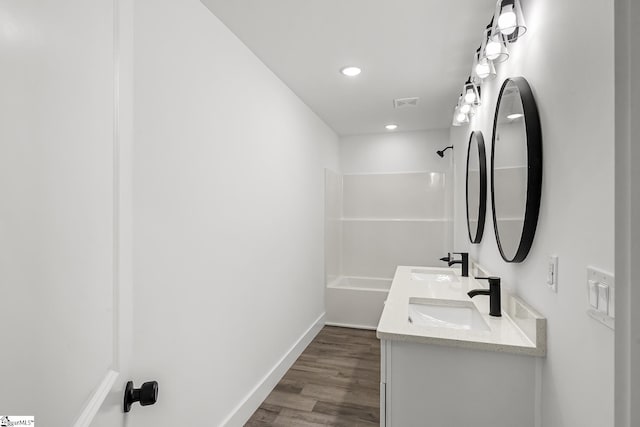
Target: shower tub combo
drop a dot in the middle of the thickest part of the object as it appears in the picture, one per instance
(356, 302)
(375, 222)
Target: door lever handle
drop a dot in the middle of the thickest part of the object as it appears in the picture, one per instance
(147, 394)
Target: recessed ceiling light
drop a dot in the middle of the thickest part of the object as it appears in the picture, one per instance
(514, 116)
(391, 127)
(351, 71)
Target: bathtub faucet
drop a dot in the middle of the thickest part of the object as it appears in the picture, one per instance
(464, 261)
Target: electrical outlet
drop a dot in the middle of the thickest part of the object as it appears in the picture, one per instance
(552, 273)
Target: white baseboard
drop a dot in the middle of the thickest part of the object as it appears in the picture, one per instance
(241, 414)
(352, 326)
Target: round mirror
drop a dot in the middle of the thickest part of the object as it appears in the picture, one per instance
(516, 169)
(476, 186)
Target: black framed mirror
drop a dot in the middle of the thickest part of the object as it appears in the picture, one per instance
(476, 186)
(516, 169)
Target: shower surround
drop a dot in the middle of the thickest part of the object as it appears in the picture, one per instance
(373, 223)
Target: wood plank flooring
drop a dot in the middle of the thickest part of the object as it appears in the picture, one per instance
(335, 382)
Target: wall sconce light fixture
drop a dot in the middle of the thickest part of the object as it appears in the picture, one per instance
(471, 93)
(494, 46)
(509, 20)
(461, 112)
(506, 26)
(482, 69)
(459, 118)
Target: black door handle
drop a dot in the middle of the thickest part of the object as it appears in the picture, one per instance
(147, 394)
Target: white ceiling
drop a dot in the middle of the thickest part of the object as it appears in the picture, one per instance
(405, 48)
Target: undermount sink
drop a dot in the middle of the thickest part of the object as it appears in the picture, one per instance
(446, 314)
(439, 276)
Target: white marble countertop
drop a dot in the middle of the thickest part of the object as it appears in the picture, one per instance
(520, 330)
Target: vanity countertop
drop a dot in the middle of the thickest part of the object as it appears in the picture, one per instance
(520, 330)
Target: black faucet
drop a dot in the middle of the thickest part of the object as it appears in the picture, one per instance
(464, 261)
(495, 306)
(446, 258)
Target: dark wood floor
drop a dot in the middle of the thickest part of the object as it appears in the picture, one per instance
(335, 382)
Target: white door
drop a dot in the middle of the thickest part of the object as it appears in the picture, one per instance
(63, 237)
(627, 205)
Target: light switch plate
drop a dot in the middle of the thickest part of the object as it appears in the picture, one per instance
(604, 282)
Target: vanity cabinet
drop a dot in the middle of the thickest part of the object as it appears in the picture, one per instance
(439, 386)
(447, 362)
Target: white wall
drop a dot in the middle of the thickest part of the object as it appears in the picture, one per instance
(56, 210)
(575, 96)
(228, 214)
(395, 152)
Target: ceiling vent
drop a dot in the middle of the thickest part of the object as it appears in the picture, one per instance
(405, 102)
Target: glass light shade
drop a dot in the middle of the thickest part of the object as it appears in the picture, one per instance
(471, 94)
(470, 97)
(482, 69)
(459, 115)
(485, 69)
(508, 20)
(459, 118)
(494, 47)
(465, 108)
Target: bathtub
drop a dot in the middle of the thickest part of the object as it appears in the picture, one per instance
(356, 302)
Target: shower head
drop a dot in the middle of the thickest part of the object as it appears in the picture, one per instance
(441, 152)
